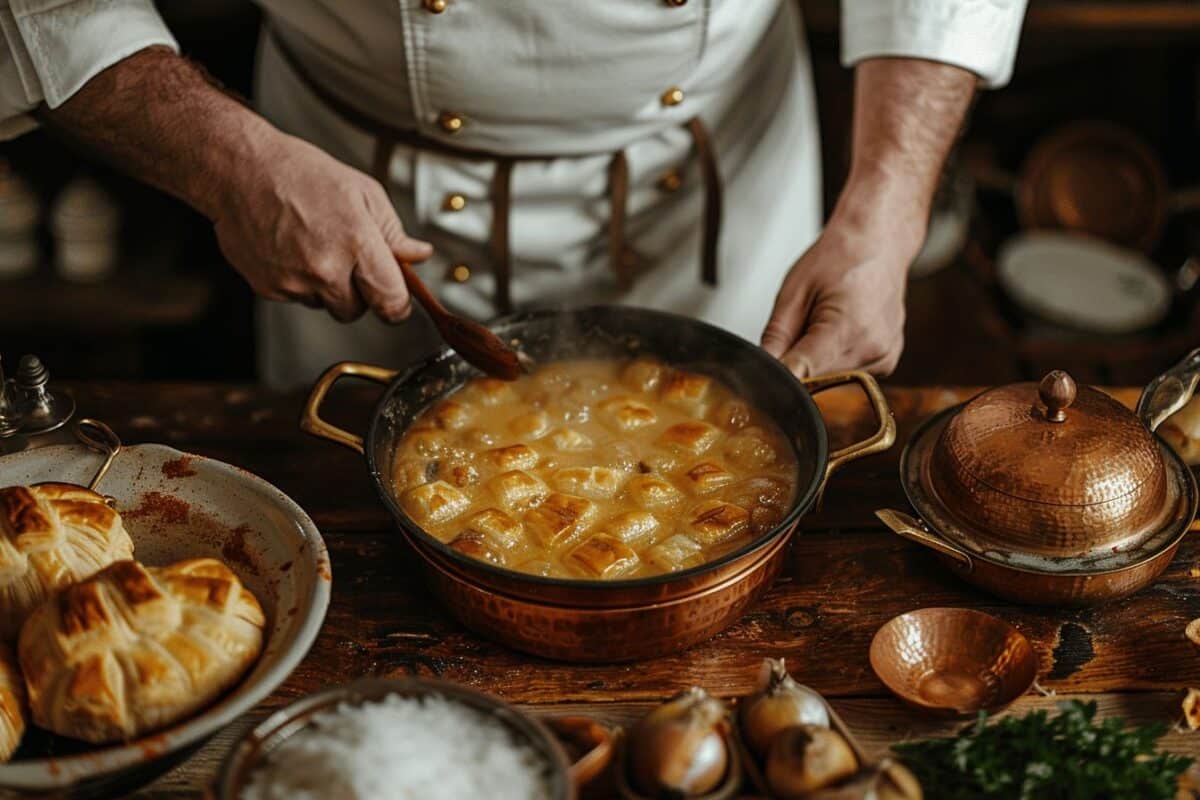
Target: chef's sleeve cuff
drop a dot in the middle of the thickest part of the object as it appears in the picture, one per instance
(980, 35)
(51, 48)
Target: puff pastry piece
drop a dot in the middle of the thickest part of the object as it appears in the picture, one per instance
(559, 518)
(452, 415)
(531, 425)
(686, 391)
(516, 489)
(134, 648)
(603, 556)
(425, 443)
(569, 440)
(489, 391)
(750, 449)
(694, 437)
(643, 374)
(517, 456)
(707, 477)
(715, 521)
(498, 527)
(434, 502)
(676, 553)
(631, 526)
(598, 483)
(52, 535)
(477, 546)
(409, 473)
(626, 414)
(649, 491)
(13, 710)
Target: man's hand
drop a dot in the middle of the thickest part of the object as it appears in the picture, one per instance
(842, 304)
(295, 222)
(302, 226)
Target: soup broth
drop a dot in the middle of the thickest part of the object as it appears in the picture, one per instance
(595, 469)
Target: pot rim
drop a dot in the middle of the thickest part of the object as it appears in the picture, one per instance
(803, 501)
(920, 504)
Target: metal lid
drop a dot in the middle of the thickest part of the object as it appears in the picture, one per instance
(1051, 469)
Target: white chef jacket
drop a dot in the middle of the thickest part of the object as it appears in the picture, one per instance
(571, 79)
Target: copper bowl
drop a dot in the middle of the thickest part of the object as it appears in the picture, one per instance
(618, 620)
(953, 661)
(565, 776)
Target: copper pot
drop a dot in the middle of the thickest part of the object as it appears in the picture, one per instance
(620, 620)
(1051, 493)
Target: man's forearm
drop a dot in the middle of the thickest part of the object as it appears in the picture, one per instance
(159, 118)
(907, 114)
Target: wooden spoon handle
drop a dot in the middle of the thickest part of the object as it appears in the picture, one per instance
(419, 290)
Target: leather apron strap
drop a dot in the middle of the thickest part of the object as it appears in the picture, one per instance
(387, 137)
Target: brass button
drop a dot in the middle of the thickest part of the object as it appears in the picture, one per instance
(454, 202)
(676, 3)
(460, 273)
(451, 123)
(435, 6)
(672, 96)
(670, 181)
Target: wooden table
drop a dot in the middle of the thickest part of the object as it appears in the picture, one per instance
(845, 577)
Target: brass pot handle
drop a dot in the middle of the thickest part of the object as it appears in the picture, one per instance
(915, 531)
(589, 734)
(310, 418)
(879, 441)
(1169, 392)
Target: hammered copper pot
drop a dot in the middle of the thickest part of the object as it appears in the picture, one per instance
(618, 620)
(1051, 493)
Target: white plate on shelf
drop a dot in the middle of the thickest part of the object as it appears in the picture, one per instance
(177, 505)
(1082, 282)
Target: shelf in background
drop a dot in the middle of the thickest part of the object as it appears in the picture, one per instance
(126, 302)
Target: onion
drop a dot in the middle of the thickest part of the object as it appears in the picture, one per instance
(806, 758)
(678, 749)
(778, 703)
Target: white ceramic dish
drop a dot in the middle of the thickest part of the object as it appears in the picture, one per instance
(1084, 283)
(175, 506)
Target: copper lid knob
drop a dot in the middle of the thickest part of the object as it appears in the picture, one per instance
(1057, 392)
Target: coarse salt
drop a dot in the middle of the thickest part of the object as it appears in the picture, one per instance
(402, 748)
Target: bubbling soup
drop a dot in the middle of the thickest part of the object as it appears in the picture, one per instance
(595, 469)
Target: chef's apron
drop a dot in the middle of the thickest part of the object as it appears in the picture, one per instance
(594, 132)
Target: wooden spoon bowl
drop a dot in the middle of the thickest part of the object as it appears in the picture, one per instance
(953, 661)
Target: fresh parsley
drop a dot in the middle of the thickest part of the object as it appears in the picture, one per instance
(1070, 756)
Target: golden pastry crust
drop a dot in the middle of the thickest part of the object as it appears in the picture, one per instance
(631, 526)
(516, 489)
(643, 374)
(434, 502)
(531, 425)
(686, 391)
(750, 449)
(135, 648)
(13, 708)
(603, 556)
(501, 529)
(517, 456)
(627, 414)
(675, 553)
(559, 518)
(692, 437)
(52, 535)
(452, 415)
(477, 546)
(489, 391)
(715, 521)
(650, 491)
(570, 440)
(707, 477)
(597, 483)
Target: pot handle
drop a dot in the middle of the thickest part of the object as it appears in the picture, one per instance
(879, 441)
(914, 530)
(1169, 392)
(589, 735)
(310, 418)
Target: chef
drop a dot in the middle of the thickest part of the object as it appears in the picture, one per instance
(660, 153)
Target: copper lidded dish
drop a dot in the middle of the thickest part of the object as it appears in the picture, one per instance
(577, 619)
(1048, 492)
(953, 661)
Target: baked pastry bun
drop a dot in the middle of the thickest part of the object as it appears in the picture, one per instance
(52, 535)
(12, 704)
(134, 648)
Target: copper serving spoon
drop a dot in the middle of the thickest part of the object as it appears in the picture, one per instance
(478, 346)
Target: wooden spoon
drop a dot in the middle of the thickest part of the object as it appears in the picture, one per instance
(478, 346)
